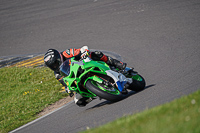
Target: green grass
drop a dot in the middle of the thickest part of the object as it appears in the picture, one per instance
(179, 116)
(24, 92)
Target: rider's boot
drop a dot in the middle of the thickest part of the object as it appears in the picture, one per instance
(124, 91)
(116, 63)
(81, 101)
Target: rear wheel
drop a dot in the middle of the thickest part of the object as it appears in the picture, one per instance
(106, 92)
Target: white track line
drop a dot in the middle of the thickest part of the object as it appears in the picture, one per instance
(40, 118)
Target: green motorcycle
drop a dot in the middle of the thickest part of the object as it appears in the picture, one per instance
(93, 79)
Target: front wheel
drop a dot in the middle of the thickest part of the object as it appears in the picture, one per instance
(138, 83)
(109, 93)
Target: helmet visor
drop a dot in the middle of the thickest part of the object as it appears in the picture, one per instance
(55, 65)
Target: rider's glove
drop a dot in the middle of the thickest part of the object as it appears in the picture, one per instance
(84, 52)
(84, 55)
(84, 48)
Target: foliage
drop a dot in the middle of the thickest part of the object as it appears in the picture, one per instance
(24, 93)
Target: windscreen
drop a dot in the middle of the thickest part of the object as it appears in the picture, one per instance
(65, 68)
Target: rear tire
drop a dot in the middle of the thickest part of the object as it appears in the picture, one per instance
(91, 85)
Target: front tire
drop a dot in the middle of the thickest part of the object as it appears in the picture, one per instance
(137, 84)
(100, 90)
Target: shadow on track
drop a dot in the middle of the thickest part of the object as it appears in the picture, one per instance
(130, 93)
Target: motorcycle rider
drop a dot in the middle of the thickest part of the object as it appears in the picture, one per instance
(53, 59)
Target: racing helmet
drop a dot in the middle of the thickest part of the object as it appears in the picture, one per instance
(53, 59)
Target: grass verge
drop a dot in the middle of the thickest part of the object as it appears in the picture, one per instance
(180, 116)
(24, 92)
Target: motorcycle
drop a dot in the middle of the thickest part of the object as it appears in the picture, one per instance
(94, 79)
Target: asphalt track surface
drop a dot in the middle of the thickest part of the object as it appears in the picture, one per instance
(159, 38)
